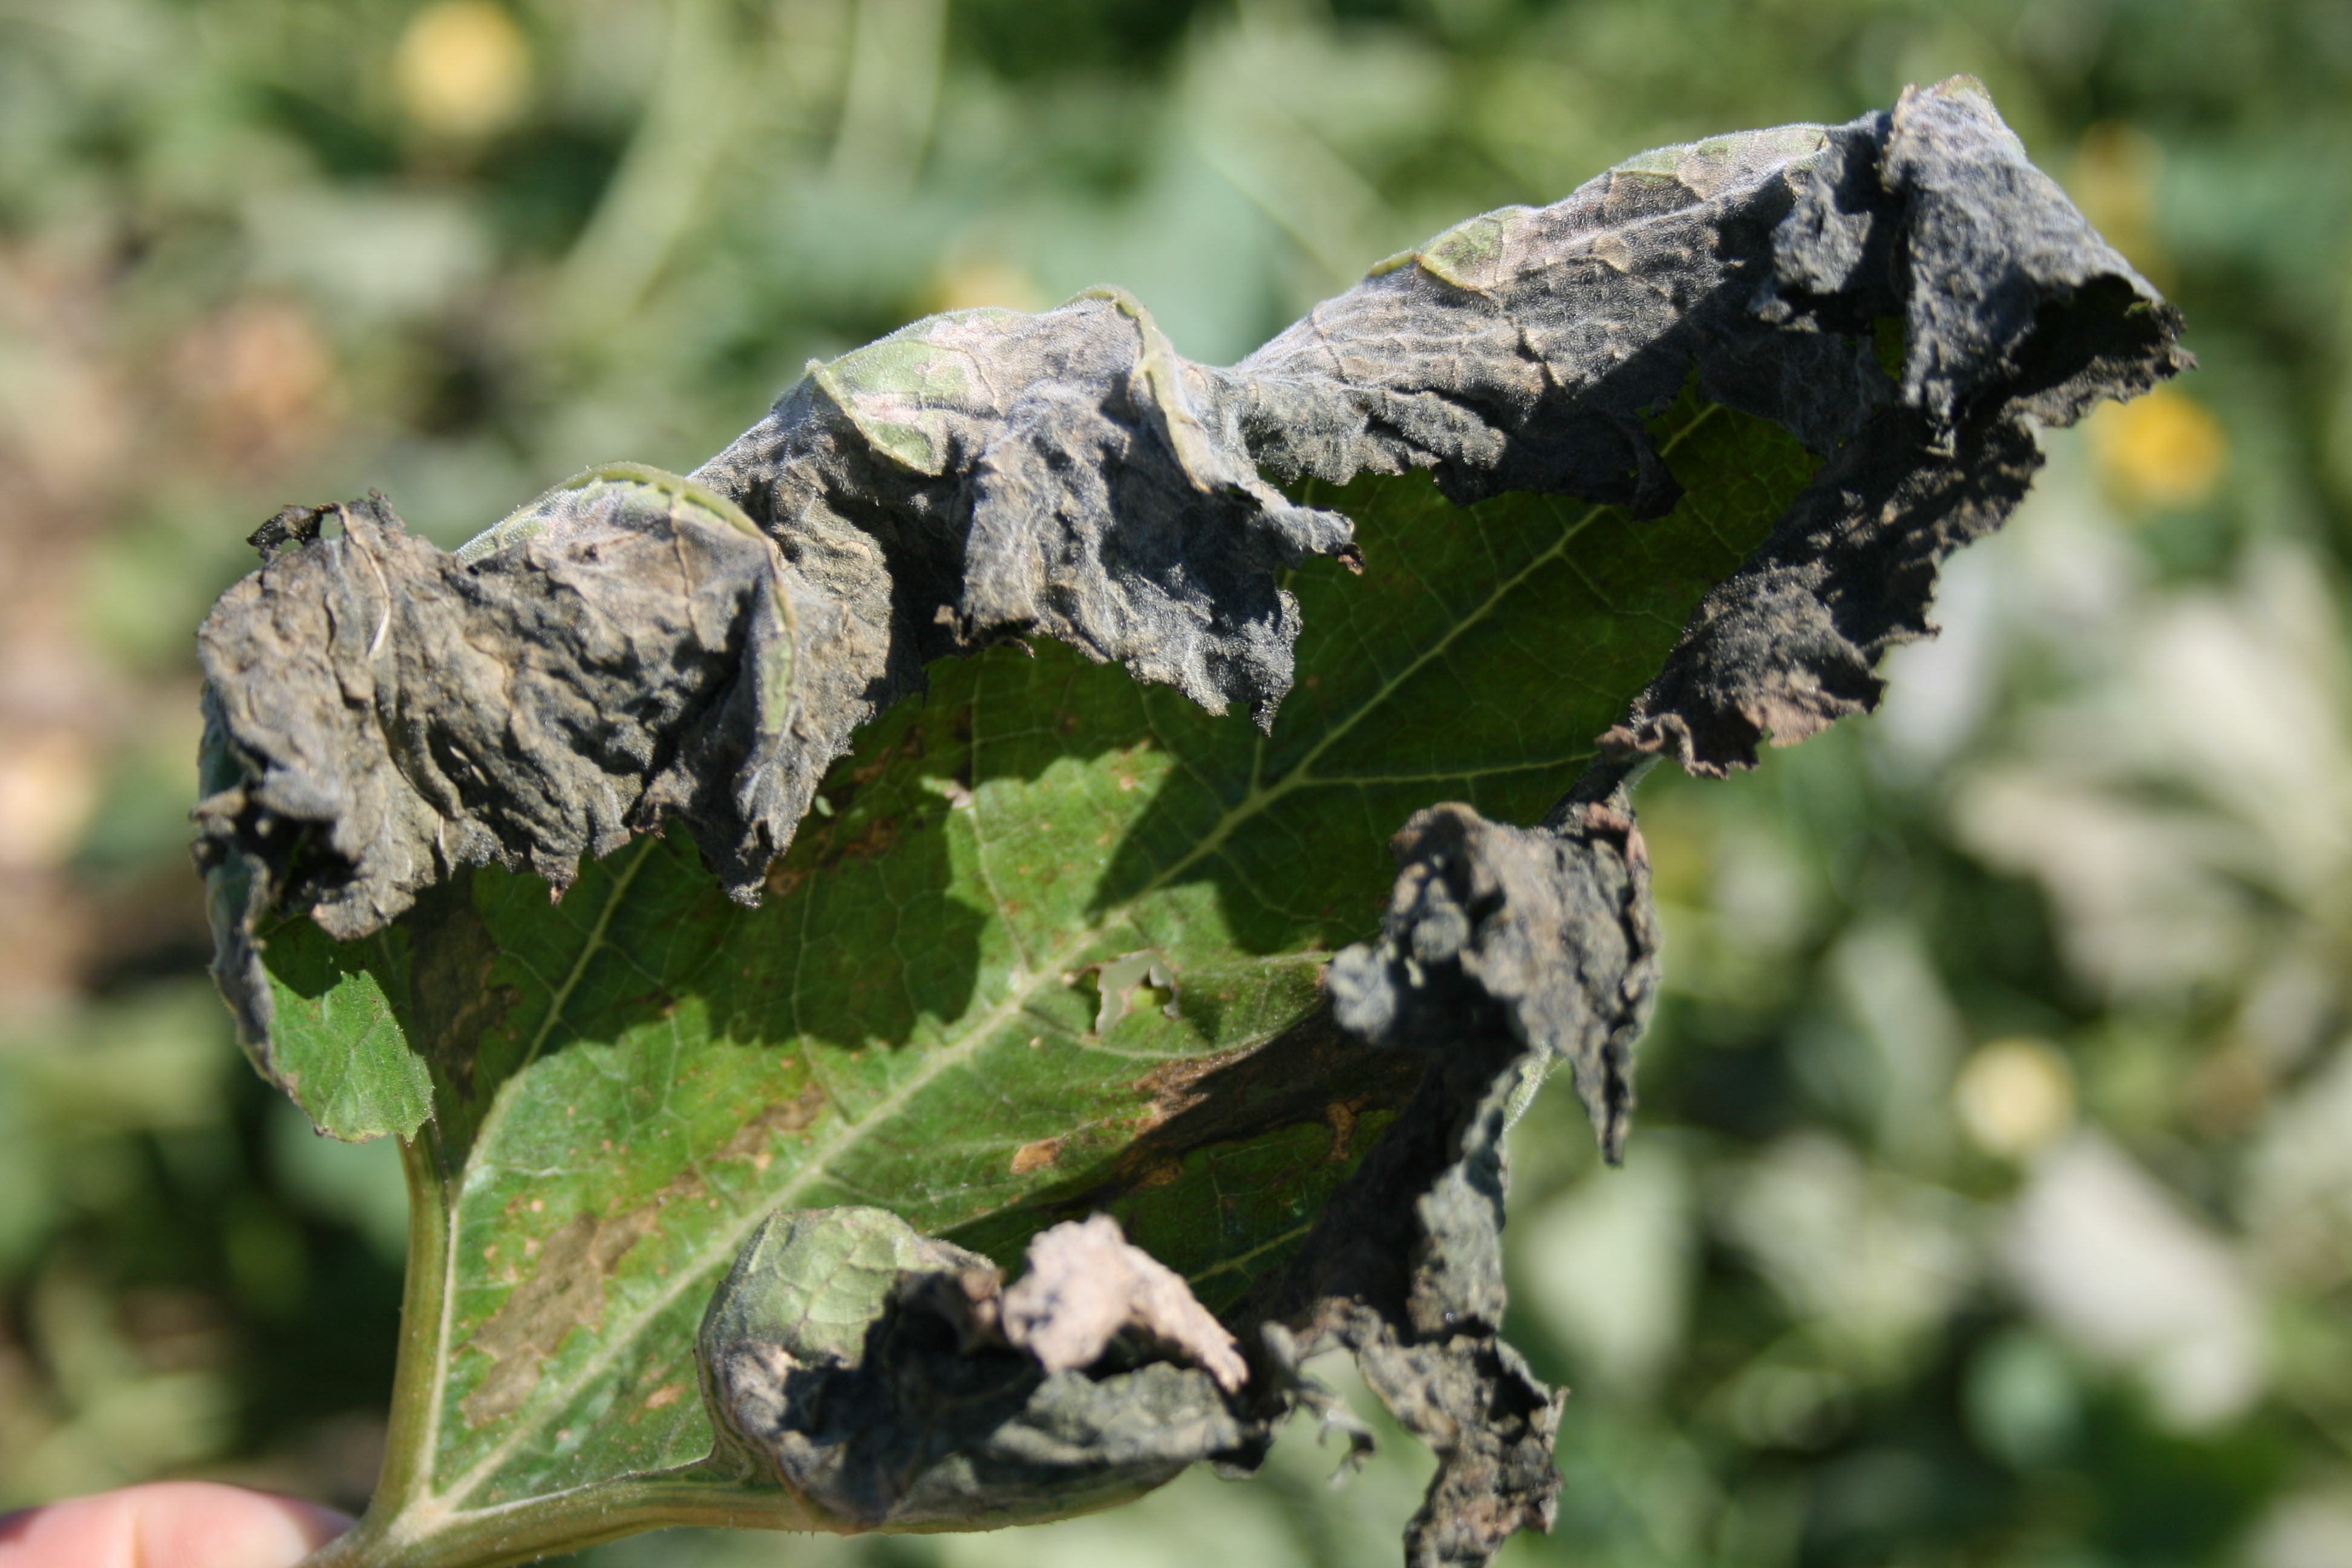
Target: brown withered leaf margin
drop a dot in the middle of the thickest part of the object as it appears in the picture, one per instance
(381, 714)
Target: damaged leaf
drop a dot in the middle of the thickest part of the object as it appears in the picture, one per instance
(595, 860)
(649, 1053)
(1502, 946)
(894, 1380)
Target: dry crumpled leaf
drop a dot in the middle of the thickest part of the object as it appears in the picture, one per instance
(1503, 945)
(2014, 314)
(892, 1379)
(631, 646)
(1522, 349)
(635, 648)
(380, 712)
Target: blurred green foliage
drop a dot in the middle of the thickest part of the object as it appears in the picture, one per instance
(1992, 1199)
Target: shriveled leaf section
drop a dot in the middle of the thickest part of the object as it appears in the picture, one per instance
(1502, 946)
(1495, 930)
(381, 714)
(632, 650)
(895, 1379)
(1507, 949)
(1520, 349)
(2016, 315)
(1008, 474)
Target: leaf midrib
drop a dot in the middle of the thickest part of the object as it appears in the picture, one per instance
(550, 1398)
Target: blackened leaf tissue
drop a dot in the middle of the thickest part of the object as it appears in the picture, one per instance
(1543, 935)
(894, 1380)
(637, 649)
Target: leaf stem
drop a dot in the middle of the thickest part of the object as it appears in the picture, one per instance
(408, 1437)
(424, 1535)
(424, 1300)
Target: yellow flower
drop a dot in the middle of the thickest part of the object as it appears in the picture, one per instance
(2163, 450)
(2014, 1096)
(463, 69)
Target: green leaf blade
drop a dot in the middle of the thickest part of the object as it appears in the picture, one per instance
(339, 1048)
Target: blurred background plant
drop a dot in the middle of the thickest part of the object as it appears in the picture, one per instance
(1992, 1202)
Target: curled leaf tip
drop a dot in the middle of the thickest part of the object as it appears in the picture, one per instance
(895, 1380)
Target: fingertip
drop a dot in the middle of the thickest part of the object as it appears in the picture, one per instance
(201, 1524)
(300, 1528)
(169, 1524)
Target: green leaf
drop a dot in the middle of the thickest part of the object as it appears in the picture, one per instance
(338, 1047)
(1051, 942)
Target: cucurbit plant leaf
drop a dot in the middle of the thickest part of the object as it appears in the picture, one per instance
(1054, 942)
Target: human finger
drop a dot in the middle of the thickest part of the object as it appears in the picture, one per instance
(168, 1524)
